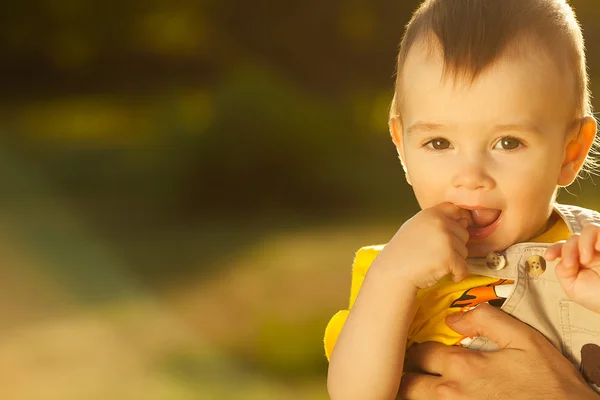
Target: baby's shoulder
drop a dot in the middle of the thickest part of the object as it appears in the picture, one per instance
(364, 257)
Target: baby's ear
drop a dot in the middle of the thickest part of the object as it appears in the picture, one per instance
(577, 149)
(397, 134)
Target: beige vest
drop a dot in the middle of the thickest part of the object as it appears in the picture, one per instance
(539, 301)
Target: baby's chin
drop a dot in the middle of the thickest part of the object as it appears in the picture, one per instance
(479, 250)
(495, 243)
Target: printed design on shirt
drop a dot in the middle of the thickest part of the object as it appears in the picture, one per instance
(590, 363)
(495, 294)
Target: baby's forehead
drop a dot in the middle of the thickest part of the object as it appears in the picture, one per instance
(524, 51)
(520, 90)
(426, 69)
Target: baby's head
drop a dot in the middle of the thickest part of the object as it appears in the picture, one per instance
(492, 111)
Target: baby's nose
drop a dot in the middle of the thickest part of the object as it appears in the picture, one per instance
(473, 177)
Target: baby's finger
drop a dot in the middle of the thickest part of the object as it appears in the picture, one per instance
(570, 252)
(459, 247)
(597, 244)
(587, 243)
(459, 268)
(566, 274)
(554, 251)
(464, 223)
(454, 212)
(460, 231)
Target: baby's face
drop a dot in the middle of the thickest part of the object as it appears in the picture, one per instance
(496, 145)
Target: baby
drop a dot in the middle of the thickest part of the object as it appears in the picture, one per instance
(491, 116)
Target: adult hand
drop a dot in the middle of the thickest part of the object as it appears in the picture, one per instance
(527, 366)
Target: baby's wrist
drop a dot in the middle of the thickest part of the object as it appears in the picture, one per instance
(395, 275)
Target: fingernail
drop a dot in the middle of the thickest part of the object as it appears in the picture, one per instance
(454, 317)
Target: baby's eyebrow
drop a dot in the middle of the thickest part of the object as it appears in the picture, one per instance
(427, 127)
(424, 127)
(522, 128)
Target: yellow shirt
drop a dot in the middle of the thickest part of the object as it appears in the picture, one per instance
(433, 304)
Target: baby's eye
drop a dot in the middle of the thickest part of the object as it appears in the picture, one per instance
(508, 143)
(438, 144)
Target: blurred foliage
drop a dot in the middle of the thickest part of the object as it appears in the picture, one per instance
(196, 109)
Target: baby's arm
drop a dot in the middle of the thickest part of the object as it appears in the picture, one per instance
(368, 358)
(366, 362)
(578, 271)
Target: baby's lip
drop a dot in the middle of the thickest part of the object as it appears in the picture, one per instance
(465, 207)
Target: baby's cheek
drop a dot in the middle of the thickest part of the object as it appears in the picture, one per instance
(428, 195)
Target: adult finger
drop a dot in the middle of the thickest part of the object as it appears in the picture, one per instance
(496, 325)
(415, 386)
(427, 357)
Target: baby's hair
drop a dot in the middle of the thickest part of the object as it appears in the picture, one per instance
(474, 34)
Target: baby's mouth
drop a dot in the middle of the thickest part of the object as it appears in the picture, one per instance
(484, 217)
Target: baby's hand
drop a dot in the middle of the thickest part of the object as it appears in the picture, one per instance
(578, 271)
(429, 246)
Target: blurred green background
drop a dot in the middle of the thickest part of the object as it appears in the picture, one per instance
(184, 185)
